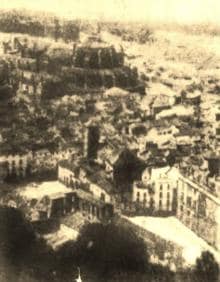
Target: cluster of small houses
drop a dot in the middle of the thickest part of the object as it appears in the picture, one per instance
(166, 106)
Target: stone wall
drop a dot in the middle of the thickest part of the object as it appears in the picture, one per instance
(164, 251)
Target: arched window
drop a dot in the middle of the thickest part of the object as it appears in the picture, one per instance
(7, 166)
(98, 213)
(71, 182)
(152, 203)
(102, 197)
(20, 171)
(182, 197)
(202, 206)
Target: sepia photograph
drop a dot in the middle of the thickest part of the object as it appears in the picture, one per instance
(110, 141)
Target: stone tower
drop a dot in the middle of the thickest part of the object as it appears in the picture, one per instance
(91, 142)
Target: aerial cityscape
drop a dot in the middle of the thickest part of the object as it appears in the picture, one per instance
(109, 150)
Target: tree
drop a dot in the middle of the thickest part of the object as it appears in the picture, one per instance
(57, 29)
(112, 252)
(127, 168)
(16, 235)
(20, 249)
(71, 31)
(207, 269)
(110, 248)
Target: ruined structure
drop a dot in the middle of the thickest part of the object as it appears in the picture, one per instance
(97, 66)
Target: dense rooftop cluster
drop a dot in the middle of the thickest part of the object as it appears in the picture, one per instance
(58, 88)
(121, 134)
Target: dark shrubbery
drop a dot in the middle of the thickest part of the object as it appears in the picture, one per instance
(16, 236)
(21, 252)
(17, 22)
(21, 22)
(207, 269)
(111, 252)
(108, 252)
(127, 168)
(110, 248)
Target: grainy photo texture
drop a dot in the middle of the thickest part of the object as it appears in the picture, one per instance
(109, 141)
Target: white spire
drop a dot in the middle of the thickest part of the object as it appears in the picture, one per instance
(79, 277)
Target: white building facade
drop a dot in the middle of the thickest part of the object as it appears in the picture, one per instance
(80, 181)
(167, 191)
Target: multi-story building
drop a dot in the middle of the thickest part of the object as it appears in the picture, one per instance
(155, 190)
(18, 164)
(199, 210)
(52, 199)
(82, 178)
(167, 191)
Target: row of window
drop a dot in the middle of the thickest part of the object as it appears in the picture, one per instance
(162, 186)
(167, 204)
(22, 162)
(138, 195)
(74, 184)
(161, 195)
(181, 184)
(145, 195)
(152, 203)
(13, 163)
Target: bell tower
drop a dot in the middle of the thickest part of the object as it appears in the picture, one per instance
(91, 142)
